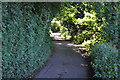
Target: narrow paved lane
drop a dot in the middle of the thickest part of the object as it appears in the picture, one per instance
(66, 62)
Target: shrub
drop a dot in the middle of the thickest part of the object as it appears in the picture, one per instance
(26, 43)
(105, 60)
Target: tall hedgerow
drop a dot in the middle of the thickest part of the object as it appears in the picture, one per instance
(106, 55)
(25, 43)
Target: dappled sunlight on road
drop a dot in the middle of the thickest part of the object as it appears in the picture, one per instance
(59, 43)
(69, 44)
(56, 36)
(78, 48)
(84, 64)
(67, 61)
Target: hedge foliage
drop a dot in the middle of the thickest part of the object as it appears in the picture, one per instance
(105, 61)
(106, 56)
(26, 44)
(110, 13)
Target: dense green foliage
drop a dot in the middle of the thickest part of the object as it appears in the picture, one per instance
(107, 53)
(105, 61)
(26, 43)
(79, 21)
(109, 11)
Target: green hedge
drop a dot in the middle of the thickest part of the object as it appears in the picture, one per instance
(26, 44)
(105, 61)
(105, 56)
